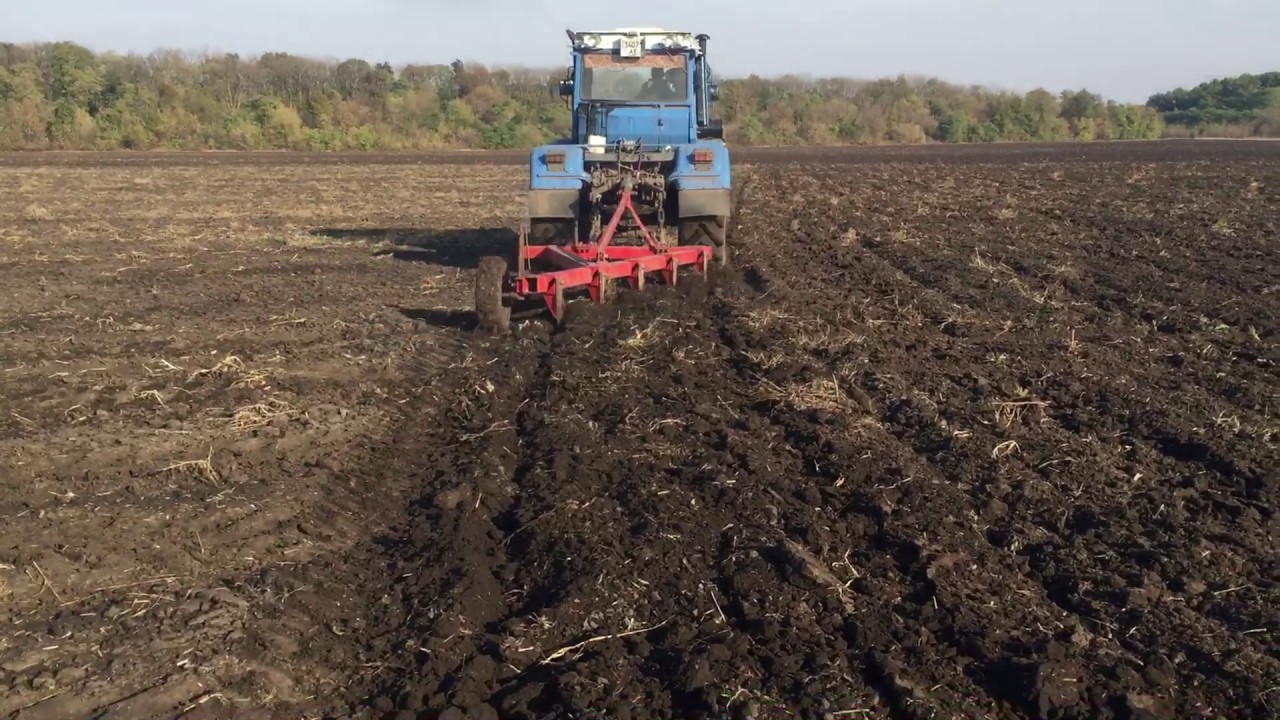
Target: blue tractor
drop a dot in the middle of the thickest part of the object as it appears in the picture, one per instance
(642, 186)
(641, 97)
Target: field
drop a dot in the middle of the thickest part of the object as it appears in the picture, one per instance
(964, 432)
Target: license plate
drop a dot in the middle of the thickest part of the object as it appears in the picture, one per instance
(632, 47)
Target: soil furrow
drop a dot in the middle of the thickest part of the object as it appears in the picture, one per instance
(978, 432)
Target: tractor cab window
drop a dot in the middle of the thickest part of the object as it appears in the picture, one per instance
(652, 78)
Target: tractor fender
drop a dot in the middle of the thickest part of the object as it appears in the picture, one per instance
(703, 190)
(567, 172)
(554, 203)
(699, 202)
(555, 188)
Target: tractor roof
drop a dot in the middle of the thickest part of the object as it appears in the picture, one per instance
(651, 38)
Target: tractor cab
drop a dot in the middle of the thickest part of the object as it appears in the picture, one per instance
(642, 138)
(646, 86)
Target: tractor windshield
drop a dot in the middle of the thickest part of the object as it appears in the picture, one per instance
(652, 78)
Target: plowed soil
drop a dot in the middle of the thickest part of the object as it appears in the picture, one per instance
(957, 435)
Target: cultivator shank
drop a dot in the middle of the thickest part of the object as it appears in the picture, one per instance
(550, 272)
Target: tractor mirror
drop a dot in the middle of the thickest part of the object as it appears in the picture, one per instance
(566, 88)
(713, 91)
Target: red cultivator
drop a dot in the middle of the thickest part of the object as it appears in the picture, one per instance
(593, 266)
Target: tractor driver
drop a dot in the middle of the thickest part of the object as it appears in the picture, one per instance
(676, 81)
(662, 85)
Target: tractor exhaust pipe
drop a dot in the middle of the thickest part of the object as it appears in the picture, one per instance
(703, 110)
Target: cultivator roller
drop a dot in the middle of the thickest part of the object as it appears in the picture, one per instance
(549, 274)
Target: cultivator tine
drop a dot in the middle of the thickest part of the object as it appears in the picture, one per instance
(670, 273)
(555, 302)
(522, 242)
(601, 288)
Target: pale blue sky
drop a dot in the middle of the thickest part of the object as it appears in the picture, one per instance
(1125, 49)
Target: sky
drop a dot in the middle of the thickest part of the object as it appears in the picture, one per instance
(1123, 49)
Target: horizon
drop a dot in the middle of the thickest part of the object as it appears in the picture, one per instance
(1087, 47)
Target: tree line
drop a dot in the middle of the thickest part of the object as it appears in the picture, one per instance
(1242, 106)
(64, 96)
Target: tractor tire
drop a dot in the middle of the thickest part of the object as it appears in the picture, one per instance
(711, 231)
(492, 313)
(552, 232)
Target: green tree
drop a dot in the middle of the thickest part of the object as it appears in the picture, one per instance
(24, 113)
(72, 74)
(1225, 101)
(958, 128)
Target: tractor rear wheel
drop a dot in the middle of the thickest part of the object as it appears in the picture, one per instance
(552, 231)
(711, 231)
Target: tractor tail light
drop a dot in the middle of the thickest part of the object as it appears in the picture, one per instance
(555, 161)
(702, 159)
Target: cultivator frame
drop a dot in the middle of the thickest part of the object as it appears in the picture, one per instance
(592, 265)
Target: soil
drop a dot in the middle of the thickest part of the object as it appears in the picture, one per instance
(985, 154)
(981, 432)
